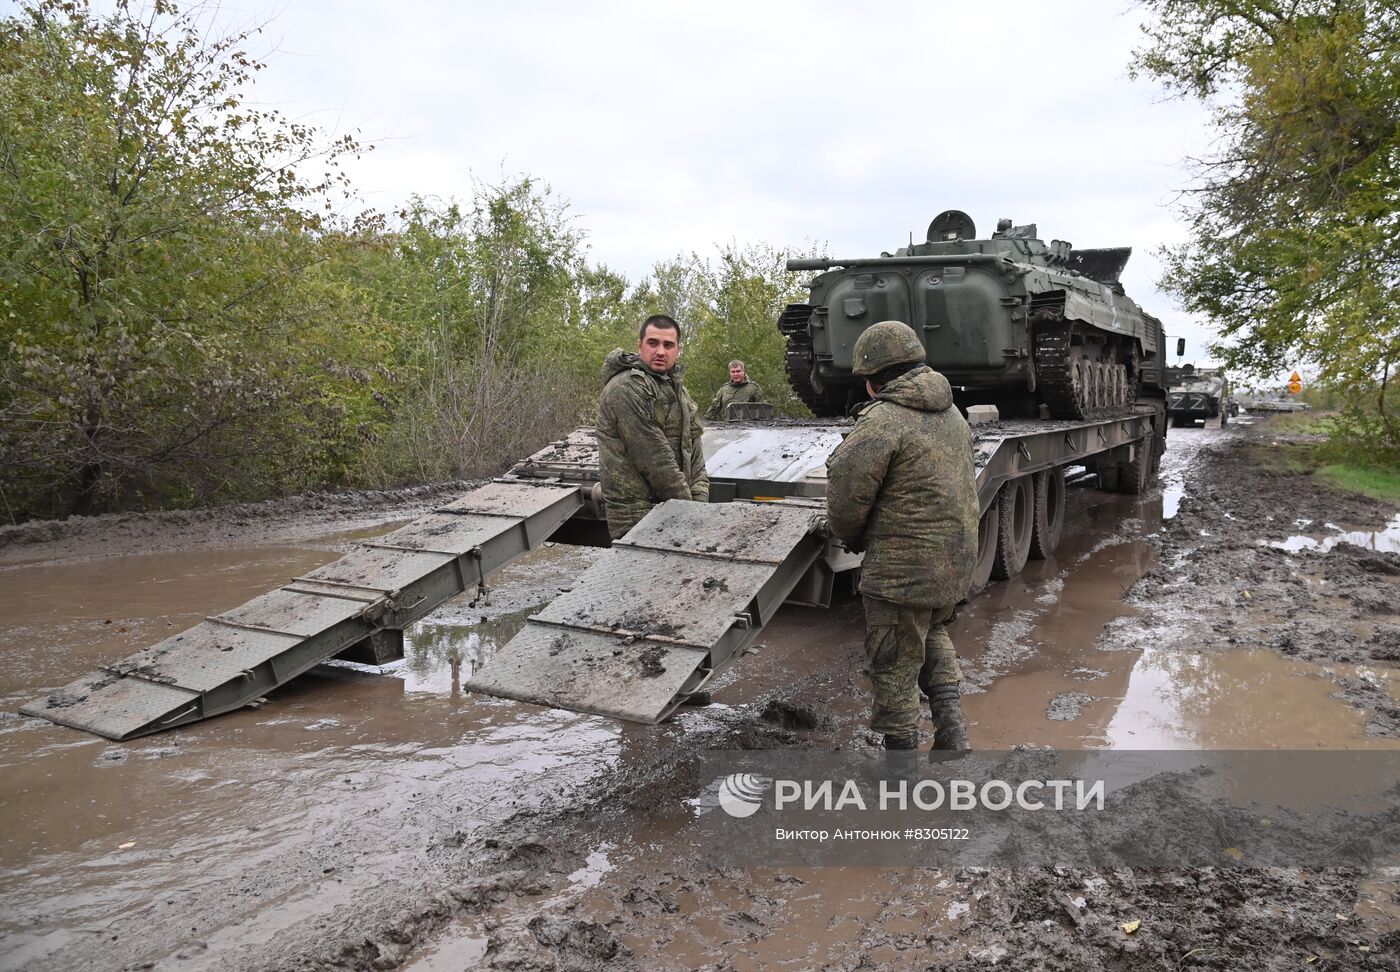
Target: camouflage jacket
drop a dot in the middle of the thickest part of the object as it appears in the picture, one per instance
(729, 393)
(648, 441)
(902, 487)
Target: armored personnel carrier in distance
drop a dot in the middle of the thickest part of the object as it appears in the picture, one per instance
(1196, 394)
(1011, 320)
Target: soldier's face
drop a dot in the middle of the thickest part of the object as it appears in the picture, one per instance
(659, 348)
(736, 375)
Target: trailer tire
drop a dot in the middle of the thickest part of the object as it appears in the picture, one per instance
(1049, 520)
(1135, 476)
(988, 531)
(1017, 524)
(1108, 477)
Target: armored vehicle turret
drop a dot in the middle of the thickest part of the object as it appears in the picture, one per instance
(1011, 321)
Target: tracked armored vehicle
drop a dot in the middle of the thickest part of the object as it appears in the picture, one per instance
(1011, 320)
(1197, 394)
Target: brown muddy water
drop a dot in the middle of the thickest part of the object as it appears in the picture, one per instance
(214, 839)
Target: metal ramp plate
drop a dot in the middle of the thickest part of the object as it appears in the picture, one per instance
(671, 605)
(227, 661)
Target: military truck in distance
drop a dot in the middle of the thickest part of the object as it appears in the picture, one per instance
(1197, 394)
(1011, 321)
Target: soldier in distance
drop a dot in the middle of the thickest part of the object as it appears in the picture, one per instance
(901, 487)
(739, 389)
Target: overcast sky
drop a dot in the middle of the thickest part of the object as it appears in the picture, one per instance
(671, 127)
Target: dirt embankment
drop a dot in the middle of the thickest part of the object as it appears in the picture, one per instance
(279, 520)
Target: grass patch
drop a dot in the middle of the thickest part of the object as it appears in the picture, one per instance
(1285, 457)
(1306, 458)
(1298, 423)
(1381, 484)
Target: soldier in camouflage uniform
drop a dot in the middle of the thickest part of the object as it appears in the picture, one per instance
(648, 429)
(739, 389)
(901, 487)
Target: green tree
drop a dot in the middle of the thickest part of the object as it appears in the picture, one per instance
(497, 320)
(730, 309)
(157, 228)
(1294, 249)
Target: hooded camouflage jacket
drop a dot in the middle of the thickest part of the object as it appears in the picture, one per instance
(648, 441)
(902, 487)
(728, 393)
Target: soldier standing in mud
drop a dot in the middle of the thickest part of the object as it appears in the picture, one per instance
(739, 389)
(902, 488)
(648, 429)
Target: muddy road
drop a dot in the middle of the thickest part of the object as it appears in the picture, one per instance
(367, 819)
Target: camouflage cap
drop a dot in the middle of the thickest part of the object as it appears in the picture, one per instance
(885, 345)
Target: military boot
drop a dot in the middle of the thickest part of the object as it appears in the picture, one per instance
(949, 726)
(901, 753)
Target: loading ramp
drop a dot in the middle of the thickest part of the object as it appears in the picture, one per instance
(670, 606)
(355, 607)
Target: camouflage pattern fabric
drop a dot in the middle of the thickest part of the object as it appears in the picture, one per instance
(901, 487)
(907, 651)
(730, 393)
(648, 441)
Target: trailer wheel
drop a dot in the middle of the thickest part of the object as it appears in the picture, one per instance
(1049, 520)
(988, 530)
(1017, 525)
(1135, 476)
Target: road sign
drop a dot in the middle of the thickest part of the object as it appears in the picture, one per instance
(1295, 379)
(1294, 387)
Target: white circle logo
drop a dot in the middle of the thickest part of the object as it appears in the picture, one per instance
(741, 795)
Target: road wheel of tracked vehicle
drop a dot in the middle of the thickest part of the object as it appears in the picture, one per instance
(1049, 519)
(1017, 525)
(988, 529)
(1065, 374)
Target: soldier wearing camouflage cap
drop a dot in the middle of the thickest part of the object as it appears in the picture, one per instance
(901, 487)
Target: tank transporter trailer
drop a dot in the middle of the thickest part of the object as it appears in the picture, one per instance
(1039, 334)
(665, 610)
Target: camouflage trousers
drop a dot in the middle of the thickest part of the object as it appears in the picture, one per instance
(907, 651)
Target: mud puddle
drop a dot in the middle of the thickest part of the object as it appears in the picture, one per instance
(199, 844)
(1383, 540)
